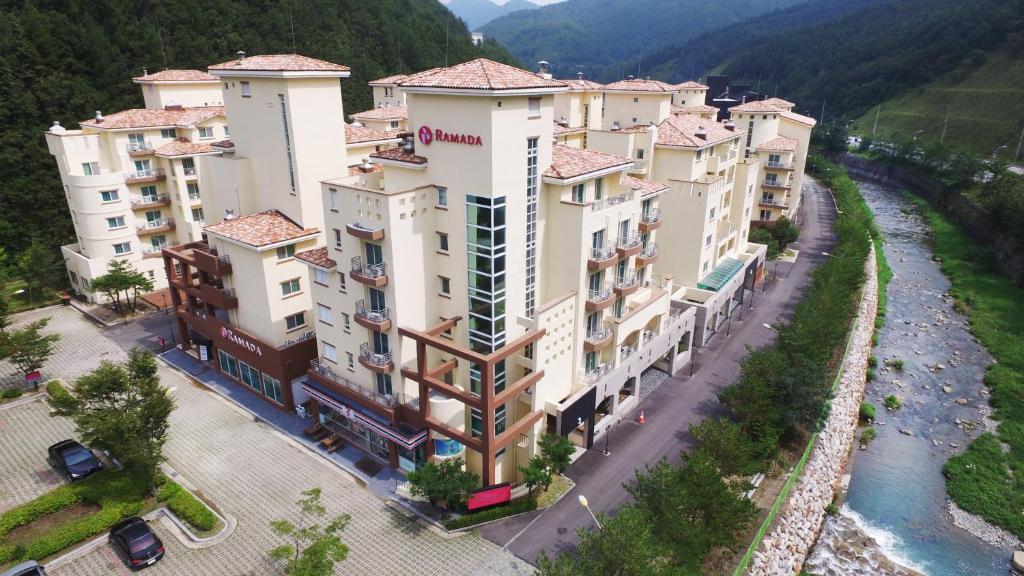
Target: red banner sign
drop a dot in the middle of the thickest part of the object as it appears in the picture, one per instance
(492, 496)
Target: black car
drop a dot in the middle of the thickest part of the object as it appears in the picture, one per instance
(136, 543)
(73, 460)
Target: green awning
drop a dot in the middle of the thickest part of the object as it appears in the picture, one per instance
(722, 273)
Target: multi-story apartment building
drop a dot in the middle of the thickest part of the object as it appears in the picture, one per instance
(131, 177)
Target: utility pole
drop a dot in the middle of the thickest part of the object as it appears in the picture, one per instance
(875, 127)
(944, 124)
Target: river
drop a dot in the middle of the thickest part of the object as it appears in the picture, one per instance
(895, 511)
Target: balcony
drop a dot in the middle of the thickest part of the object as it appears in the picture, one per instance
(627, 284)
(379, 320)
(323, 369)
(374, 275)
(145, 202)
(780, 166)
(375, 361)
(628, 245)
(651, 220)
(774, 184)
(139, 148)
(648, 255)
(156, 226)
(601, 298)
(144, 176)
(601, 258)
(365, 231)
(597, 339)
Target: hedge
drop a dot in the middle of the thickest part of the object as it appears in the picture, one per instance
(511, 509)
(185, 505)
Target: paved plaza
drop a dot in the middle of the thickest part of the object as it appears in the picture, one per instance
(249, 470)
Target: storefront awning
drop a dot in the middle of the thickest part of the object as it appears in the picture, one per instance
(722, 273)
(355, 412)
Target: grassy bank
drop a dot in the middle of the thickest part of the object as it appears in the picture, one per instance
(988, 478)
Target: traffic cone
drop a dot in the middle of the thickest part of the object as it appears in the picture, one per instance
(641, 419)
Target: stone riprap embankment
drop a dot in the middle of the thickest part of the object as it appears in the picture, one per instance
(785, 548)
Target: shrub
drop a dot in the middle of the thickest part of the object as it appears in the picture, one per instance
(510, 509)
(893, 402)
(868, 435)
(10, 393)
(185, 505)
(867, 411)
(895, 364)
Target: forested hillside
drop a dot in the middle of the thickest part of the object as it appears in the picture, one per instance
(64, 59)
(604, 38)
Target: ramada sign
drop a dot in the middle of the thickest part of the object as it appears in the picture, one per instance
(428, 135)
(229, 334)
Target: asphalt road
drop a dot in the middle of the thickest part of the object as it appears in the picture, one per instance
(679, 402)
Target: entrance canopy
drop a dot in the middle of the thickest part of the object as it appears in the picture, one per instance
(408, 439)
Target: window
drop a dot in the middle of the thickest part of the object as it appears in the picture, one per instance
(193, 190)
(534, 107)
(337, 238)
(91, 168)
(272, 388)
(206, 131)
(350, 359)
(325, 314)
(295, 321)
(286, 252)
(332, 194)
(707, 241)
(445, 284)
(320, 277)
(115, 223)
(330, 352)
(442, 196)
(345, 321)
(226, 131)
(169, 133)
(197, 215)
(246, 90)
(578, 193)
(442, 241)
(188, 166)
(290, 287)
(341, 281)
(109, 196)
(122, 248)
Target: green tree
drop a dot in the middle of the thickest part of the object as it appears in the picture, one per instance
(445, 484)
(536, 473)
(556, 451)
(28, 348)
(313, 549)
(122, 408)
(39, 268)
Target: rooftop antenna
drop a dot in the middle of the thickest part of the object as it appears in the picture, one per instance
(160, 37)
(291, 22)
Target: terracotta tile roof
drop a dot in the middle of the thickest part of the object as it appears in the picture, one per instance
(184, 147)
(645, 187)
(317, 257)
(399, 155)
(583, 85)
(568, 162)
(280, 63)
(177, 76)
(383, 113)
(261, 229)
(561, 130)
(779, 103)
(779, 144)
(389, 80)
(698, 109)
(799, 118)
(755, 106)
(681, 130)
(361, 134)
(480, 74)
(155, 117)
(691, 85)
(639, 85)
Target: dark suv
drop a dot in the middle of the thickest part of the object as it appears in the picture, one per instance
(73, 460)
(136, 543)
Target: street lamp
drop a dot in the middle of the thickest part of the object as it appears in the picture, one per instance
(586, 504)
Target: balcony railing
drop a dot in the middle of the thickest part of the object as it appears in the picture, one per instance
(378, 359)
(322, 368)
(601, 294)
(371, 315)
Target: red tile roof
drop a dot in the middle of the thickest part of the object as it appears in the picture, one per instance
(155, 117)
(280, 63)
(755, 106)
(177, 76)
(389, 80)
(317, 257)
(645, 187)
(568, 162)
(691, 85)
(398, 155)
(681, 130)
(184, 147)
(383, 113)
(779, 144)
(261, 229)
(799, 118)
(361, 134)
(480, 74)
(639, 85)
